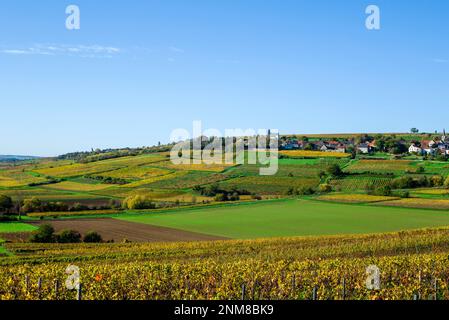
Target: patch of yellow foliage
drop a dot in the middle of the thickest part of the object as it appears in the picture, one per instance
(419, 203)
(76, 186)
(355, 198)
(313, 154)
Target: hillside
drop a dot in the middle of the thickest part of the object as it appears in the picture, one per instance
(16, 158)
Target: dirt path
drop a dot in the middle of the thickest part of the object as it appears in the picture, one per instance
(117, 230)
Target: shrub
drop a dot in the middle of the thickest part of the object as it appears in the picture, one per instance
(221, 197)
(383, 191)
(402, 194)
(437, 181)
(138, 203)
(45, 234)
(234, 197)
(7, 218)
(403, 183)
(79, 207)
(305, 191)
(68, 236)
(32, 205)
(324, 188)
(420, 169)
(92, 237)
(334, 170)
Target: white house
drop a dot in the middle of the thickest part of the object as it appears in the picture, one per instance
(363, 148)
(414, 149)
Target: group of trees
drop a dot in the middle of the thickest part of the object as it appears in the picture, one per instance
(301, 191)
(36, 205)
(107, 180)
(138, 202)
(46, 234)
(408, 182)
(214, 190)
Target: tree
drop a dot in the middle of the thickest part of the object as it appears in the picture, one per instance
(92, 237)
(383, 191)
(68, 236)
(32, 205)
(324, 188)
(334, 170)
(138, 203)
(414, 130)
(221, 197)
(446, 183)
(6, 204)
(308, 147)
(321, 174)
(436, 181)
(45, 234)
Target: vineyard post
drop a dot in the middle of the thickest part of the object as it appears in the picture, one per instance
(294, 284)
(253, 291)
(243, 291)
(79, 292)
(56, 288)
(27, 283)
(39, 287)
(314, 293)
(415, 297)
(435, 288)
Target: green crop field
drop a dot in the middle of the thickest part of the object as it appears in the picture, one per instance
(11, 227)
(294, 218)
(358, 182)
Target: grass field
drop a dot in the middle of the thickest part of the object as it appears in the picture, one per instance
(358, 183)
(10, 227)
(294, 218)
(381, 166)
(269, 184)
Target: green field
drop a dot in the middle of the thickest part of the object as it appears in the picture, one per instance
(294, 218)
(10, 227)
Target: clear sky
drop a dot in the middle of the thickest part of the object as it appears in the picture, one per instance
(136, 70)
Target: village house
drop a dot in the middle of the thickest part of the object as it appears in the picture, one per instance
(426, 147)
(333, 146)
(431, 147)
(363, 148)
(415, 149)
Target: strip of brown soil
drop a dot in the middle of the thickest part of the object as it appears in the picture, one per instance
(16, 236)
(118, 230)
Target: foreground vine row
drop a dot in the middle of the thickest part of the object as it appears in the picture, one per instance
(410, 263)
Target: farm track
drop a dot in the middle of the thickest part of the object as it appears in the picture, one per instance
(118, 230)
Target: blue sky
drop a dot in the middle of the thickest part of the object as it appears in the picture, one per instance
(136, 70)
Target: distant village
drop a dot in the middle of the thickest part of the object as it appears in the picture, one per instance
(429, 145)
